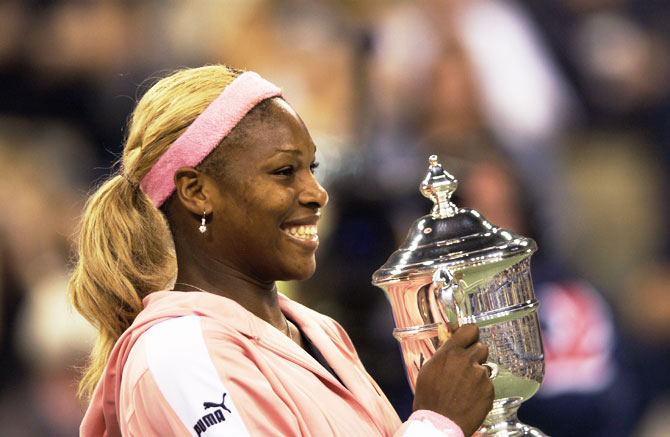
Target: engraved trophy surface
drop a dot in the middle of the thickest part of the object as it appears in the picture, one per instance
(456, 268)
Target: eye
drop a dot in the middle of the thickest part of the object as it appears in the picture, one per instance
(285, 171)
(313, 166)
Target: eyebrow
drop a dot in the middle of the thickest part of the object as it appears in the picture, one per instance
(291, 151)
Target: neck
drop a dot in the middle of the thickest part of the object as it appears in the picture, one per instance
(199, 270)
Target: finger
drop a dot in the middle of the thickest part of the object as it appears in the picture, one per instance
(465, 336)
(478, 352)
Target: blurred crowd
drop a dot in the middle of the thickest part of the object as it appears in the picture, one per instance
(554, 115)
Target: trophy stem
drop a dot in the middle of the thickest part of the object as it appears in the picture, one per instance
(502, 421)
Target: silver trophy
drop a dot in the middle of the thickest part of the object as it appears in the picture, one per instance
(456, 268)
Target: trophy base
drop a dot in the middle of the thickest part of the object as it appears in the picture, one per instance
(502, 421)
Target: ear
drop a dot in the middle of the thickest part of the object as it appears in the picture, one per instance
(192, 190)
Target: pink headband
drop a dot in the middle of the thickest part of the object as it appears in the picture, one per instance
(206, 132)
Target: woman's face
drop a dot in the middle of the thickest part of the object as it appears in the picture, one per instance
(266, 206)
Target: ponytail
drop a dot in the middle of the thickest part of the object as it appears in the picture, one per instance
(125, 253)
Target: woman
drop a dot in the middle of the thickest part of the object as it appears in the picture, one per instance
(217, 190)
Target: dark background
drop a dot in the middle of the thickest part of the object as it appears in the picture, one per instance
(554, 116)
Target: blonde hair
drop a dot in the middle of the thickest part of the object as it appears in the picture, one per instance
(125, 246)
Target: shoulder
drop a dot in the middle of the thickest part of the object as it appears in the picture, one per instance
(178, 348)
(170, 373)
(172, 351)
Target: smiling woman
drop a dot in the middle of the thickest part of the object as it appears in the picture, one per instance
(177, 265)
(259, 206)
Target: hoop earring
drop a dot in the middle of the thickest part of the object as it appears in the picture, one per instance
(203, 227)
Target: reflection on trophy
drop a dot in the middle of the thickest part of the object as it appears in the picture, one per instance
(456, 268)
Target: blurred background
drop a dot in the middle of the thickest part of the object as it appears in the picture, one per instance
(553, 114)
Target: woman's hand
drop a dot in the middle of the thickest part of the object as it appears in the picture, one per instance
(454, 383)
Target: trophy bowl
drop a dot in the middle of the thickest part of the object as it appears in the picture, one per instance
(456, 268)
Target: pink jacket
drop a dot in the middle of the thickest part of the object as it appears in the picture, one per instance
(196, 363)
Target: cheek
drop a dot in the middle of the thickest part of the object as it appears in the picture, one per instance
(257, 209)
(273, 207)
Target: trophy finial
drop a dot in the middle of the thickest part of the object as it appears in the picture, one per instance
(438, 186)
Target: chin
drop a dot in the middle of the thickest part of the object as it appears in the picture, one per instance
(304, 272)
(303, 275)
(306, 276)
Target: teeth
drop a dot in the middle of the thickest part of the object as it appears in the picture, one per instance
(308, 231)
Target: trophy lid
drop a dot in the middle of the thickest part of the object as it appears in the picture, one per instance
(449, 236)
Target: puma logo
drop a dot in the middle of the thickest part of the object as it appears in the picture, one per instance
(213, 418)
(222, 404)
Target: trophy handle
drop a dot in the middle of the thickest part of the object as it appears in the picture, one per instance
(450, 297)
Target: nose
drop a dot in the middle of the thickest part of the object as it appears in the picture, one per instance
(313, 195)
